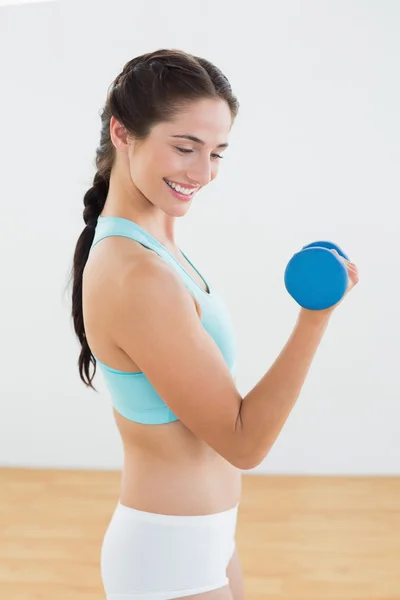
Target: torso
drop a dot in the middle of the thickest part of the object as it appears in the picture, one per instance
(166, 468)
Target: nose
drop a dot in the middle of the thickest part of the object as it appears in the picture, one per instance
(201, 172)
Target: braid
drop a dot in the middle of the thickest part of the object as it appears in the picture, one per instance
(95, 199)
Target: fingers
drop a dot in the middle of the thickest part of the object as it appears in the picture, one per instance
(349, 264)
(351, 269)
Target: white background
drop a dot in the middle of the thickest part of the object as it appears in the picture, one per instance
(314, 154)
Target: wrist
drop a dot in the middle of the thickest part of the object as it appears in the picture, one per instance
(317, 317)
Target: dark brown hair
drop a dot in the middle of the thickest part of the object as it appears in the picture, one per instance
(151, 89)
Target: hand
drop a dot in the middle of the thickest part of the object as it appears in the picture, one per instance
(353, 277)
(352, 272)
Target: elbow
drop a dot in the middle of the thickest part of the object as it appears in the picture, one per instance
(248, 465)
(248, 462)
(247, 456)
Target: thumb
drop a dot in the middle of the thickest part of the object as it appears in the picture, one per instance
(338, 255)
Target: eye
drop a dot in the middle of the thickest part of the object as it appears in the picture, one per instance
(183, 150)
(186, 151)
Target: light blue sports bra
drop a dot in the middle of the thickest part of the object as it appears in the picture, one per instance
(132, 394)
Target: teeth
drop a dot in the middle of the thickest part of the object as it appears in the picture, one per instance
(180, 189)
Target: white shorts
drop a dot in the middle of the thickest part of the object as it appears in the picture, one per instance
(148, 556)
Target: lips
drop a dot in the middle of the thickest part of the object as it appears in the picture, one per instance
(187, 186)
(180, 196)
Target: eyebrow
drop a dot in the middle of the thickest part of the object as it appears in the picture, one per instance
(193, 138)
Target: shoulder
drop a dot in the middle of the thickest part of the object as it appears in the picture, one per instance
(122, 269)
(116, 259)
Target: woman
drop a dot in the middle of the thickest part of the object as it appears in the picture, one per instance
(164, 341)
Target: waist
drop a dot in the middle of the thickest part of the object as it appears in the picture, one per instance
(179, 488)
(228, 516)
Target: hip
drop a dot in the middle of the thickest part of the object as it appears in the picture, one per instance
(156, 555)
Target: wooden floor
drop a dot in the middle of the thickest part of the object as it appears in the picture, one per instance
(299, 538)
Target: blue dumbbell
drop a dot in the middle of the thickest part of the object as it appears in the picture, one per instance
(329, 246)
(315, 277)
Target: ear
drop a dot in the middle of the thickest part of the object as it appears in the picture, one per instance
(119, 135)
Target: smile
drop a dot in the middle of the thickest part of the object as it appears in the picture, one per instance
(179, 191)
(180, 187)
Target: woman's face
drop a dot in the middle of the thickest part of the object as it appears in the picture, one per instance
(167, 159)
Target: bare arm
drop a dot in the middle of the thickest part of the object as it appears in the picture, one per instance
(157, 325)
(265, 409)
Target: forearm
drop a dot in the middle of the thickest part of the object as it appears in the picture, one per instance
(265, 409)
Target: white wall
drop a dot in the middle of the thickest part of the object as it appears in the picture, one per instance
(314, 155)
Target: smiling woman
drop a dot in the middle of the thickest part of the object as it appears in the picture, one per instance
(172, 535)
